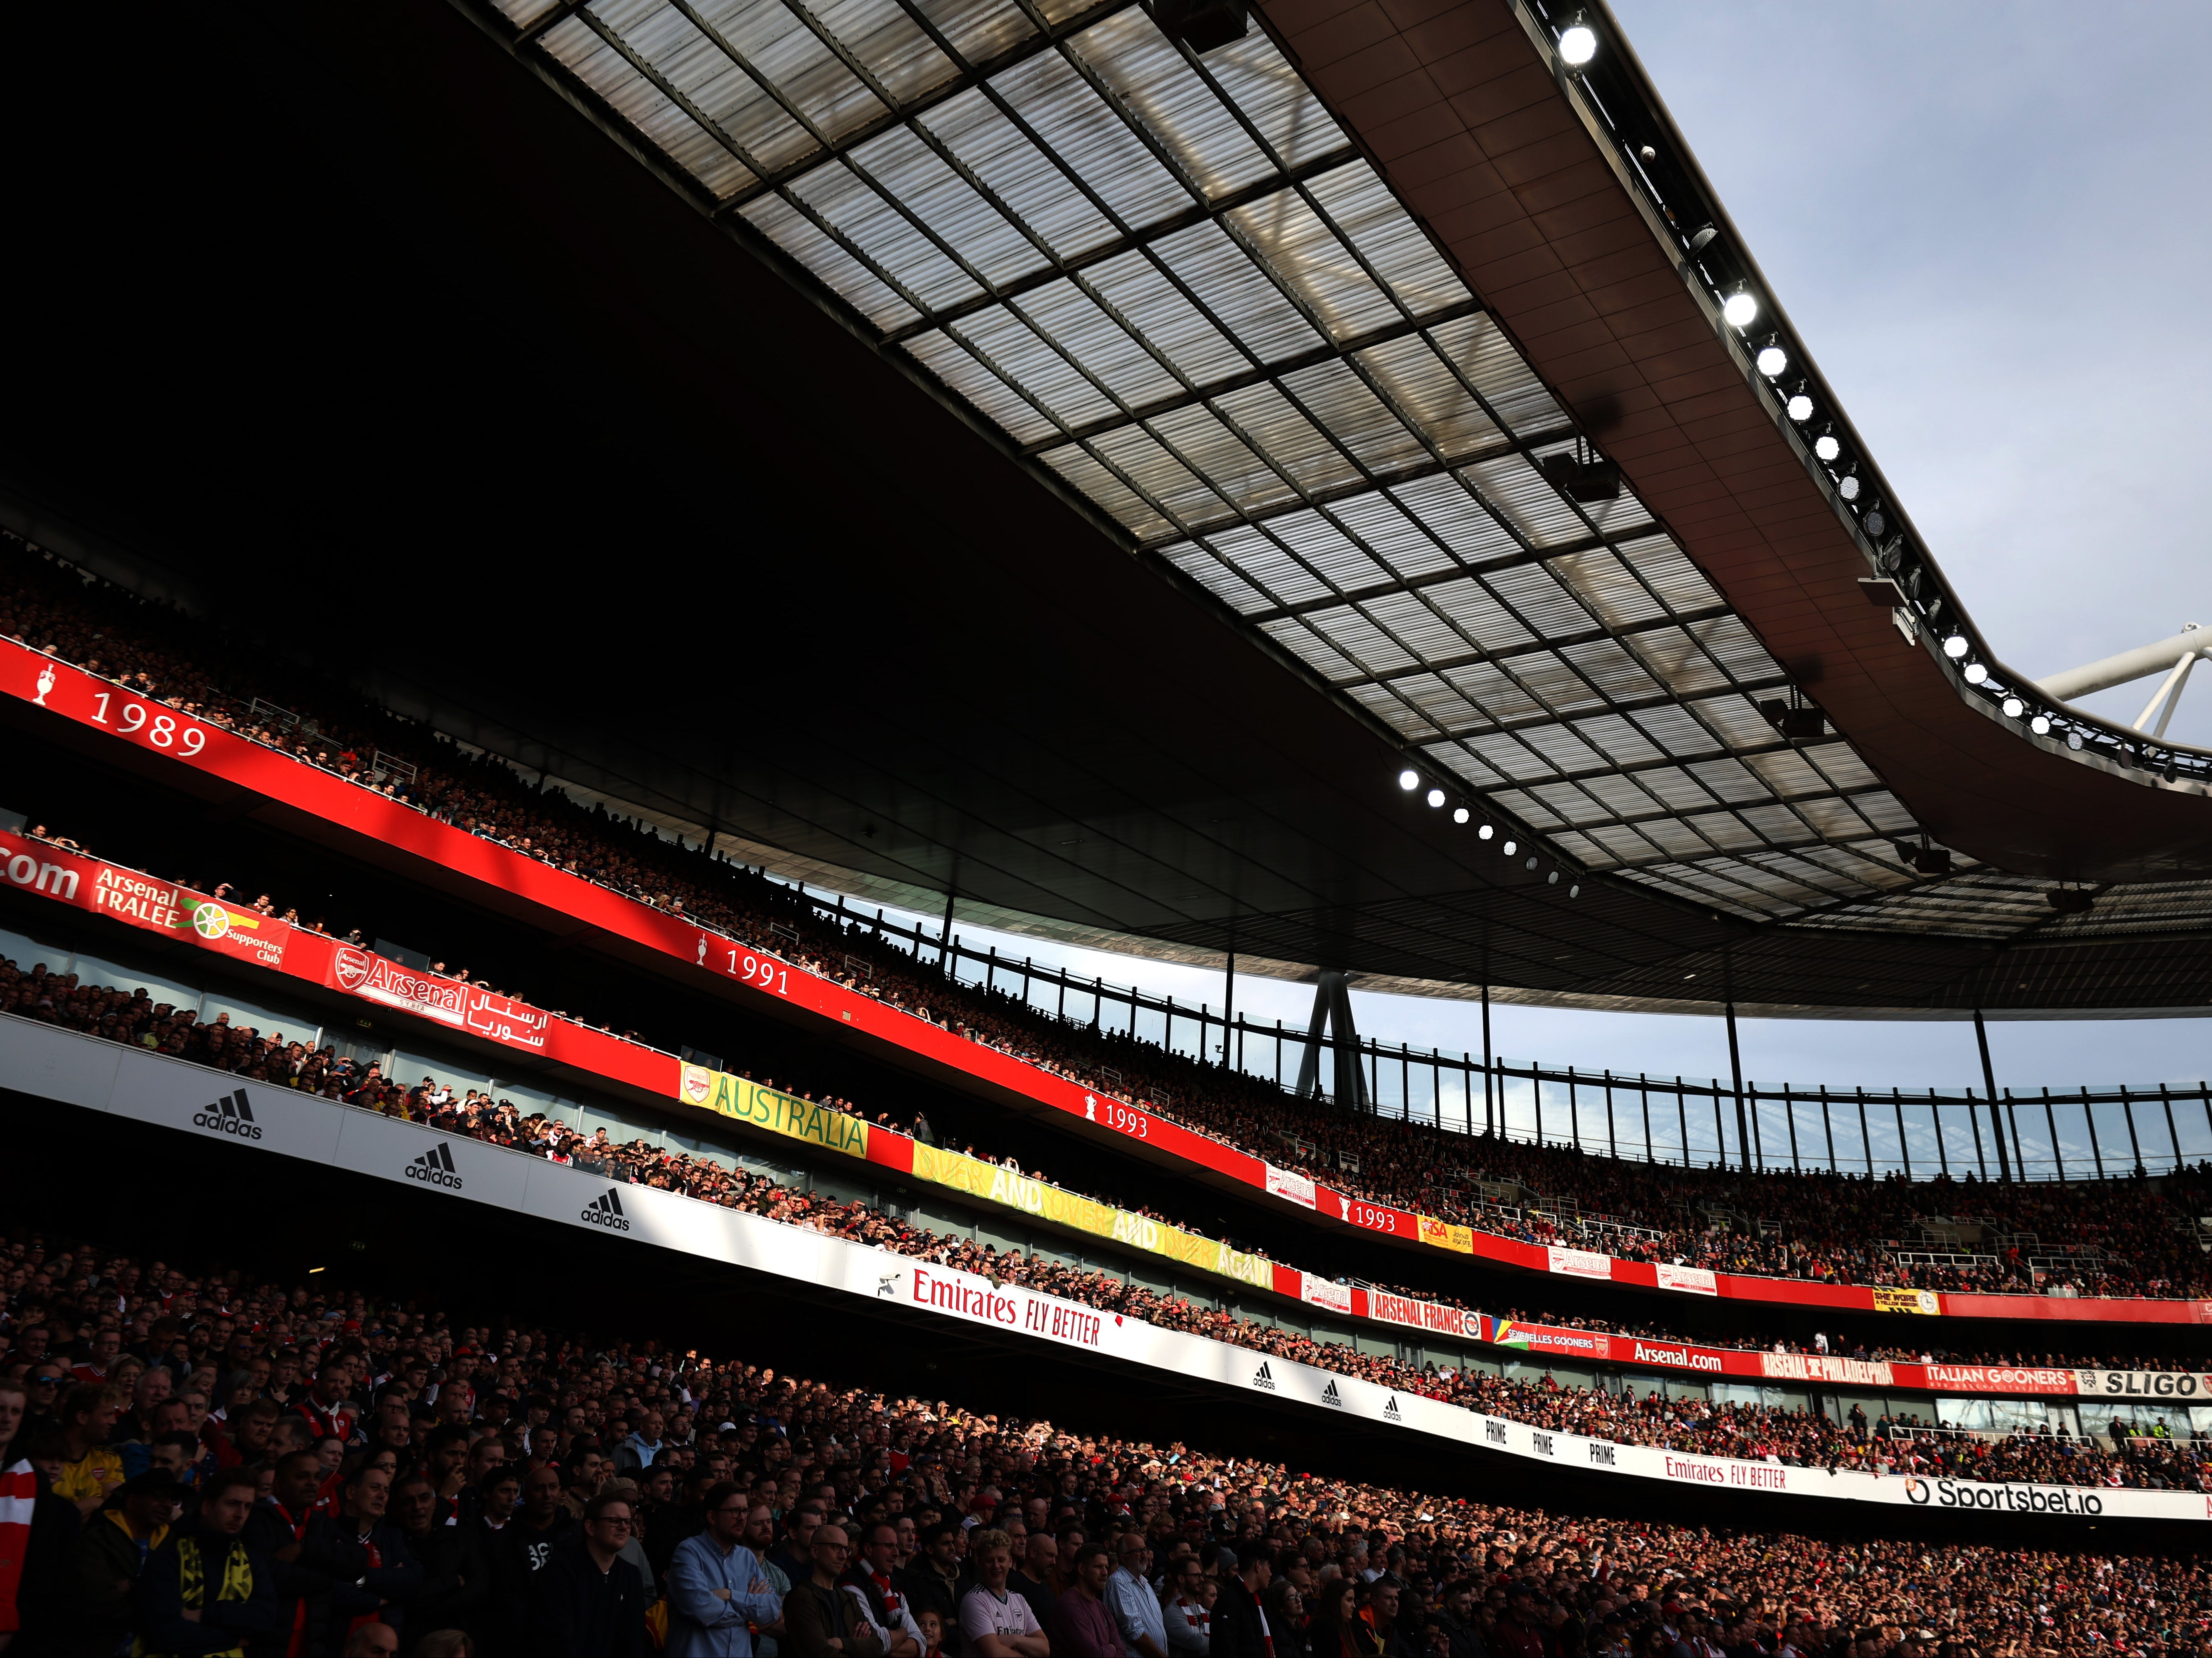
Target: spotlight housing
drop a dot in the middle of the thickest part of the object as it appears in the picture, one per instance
(1702, 238)
(1582, 480)
(1507, 848)
(1827, 448)
(1409, 779)
(1485, 832)
(1740, 309)
(1954, 647)
(1800, 408)
(1577, 46)
(2040, 725)
(1849, 489)
(2014, 707)
(1773, 360)
(1976, 673)
(1435, 797)
(1459, 814)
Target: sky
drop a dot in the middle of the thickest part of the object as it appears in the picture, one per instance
(1990, 226)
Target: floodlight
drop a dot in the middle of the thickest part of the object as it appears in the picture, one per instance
(1459, 814)
(1976, 673)
(1800, 408)
(1773, 360)
(1827, 448)
(1850, 488)
(1740, 309)
(1409, 779)
(1954, 647)
(2073, 740)
(1877, 522)
(1577, 46)
(2040, 725)
(1574, 892)
(1507, 848)
(1486, 831)
(1435, 797)
(2014, 707)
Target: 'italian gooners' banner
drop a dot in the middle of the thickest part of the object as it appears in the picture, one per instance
(138, 900)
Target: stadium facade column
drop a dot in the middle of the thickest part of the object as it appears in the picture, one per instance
(944, 944)
(1735, 1060)
(1229, 1015)
(1996, 1108)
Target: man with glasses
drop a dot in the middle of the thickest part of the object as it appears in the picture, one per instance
(869, 1578)
(717, 1590)
(823, 1621)
(588, 1601)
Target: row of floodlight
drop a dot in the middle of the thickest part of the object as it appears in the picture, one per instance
(1410, 780)
(1904, 570)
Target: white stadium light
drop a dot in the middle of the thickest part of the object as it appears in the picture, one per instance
(1954, 647)
(1435, 797)
(1578, 46)
(1850, 488)
(1507, 848)
(1801, 409)
(1773, 360)
(2040, 725)
(2014, 707)
(1486, 831)
(1739, 310)
(1409, 779)
(1459, 814)
(1827, 448)
(1976, 673)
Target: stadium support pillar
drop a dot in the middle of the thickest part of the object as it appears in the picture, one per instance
(1487, 1123)
(944, 944)
(1990, 1082)
(1229, 1008)
(1332, 1012)
(1735, 1071)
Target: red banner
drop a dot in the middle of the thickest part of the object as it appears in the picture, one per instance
(391, 833)
(139, 901)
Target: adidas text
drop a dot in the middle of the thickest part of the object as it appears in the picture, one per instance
(230, 1115)
(435, 1168)
(606, 1211)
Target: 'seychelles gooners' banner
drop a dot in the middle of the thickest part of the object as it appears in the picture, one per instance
(131, 1085)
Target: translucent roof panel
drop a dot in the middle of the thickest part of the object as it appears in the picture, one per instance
(1177, 288)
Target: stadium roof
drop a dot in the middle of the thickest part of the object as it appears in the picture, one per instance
(1297, 322)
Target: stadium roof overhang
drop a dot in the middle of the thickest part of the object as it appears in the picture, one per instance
(1294, 324)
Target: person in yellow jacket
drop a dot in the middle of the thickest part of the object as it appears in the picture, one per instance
(204, 1592)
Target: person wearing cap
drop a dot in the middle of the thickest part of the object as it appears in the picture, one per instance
(1129, 1595)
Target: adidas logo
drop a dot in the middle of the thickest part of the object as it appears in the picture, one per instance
(1330, 1397)
(1391, 1413)
(231, 1114)
(605, 1210)
(1263, 1377)
(434, 1167)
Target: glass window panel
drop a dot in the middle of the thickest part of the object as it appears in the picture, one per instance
(1079, 127)
(1427, 392)
(1008, 165)
(978, 29)
(1150, 79)
(1671, 656)
(957, 368)
(787, 53)
(1217, 578)
(1072, 319)
(1016, 352)
(1307, 258)
(1608, 667)
(1274, 98)
(1518, 494)
(1237, 292)
(637, 101)
(707, 74)
(1507, 384)
(1324, 546)
(1493, 691)
(1310, 647)
(1398, 250)
(1266, 417)
(846, 276)
(1479, 615)
(1265, 563)
(1149, 301)
(1226, 464)
(900, 56)
(888, 238)
(1538, 600)
(1359, 638)
(939, 198)
(1453, 518)
(1084, 471)
(1605, 588)
(1669, 573)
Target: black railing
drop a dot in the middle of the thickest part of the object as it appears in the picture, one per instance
(2083, 1133)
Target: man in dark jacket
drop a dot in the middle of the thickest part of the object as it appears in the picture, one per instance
(456, 1588)
(391, 1576)
(229, 1590)
(1239, 1628)
(818, 1611)
(586, 1601)
(308, 1559)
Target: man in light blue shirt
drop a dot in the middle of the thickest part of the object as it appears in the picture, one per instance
(716, 1586)
(638, 1450)
(1129, 1597)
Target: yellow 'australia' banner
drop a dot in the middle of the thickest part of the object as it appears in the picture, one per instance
(778, 1113)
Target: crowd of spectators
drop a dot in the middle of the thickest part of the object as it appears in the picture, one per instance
(2117, 1237)
(1799, 1438)
(202, 1462)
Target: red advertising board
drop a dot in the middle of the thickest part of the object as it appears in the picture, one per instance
(98, 705)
